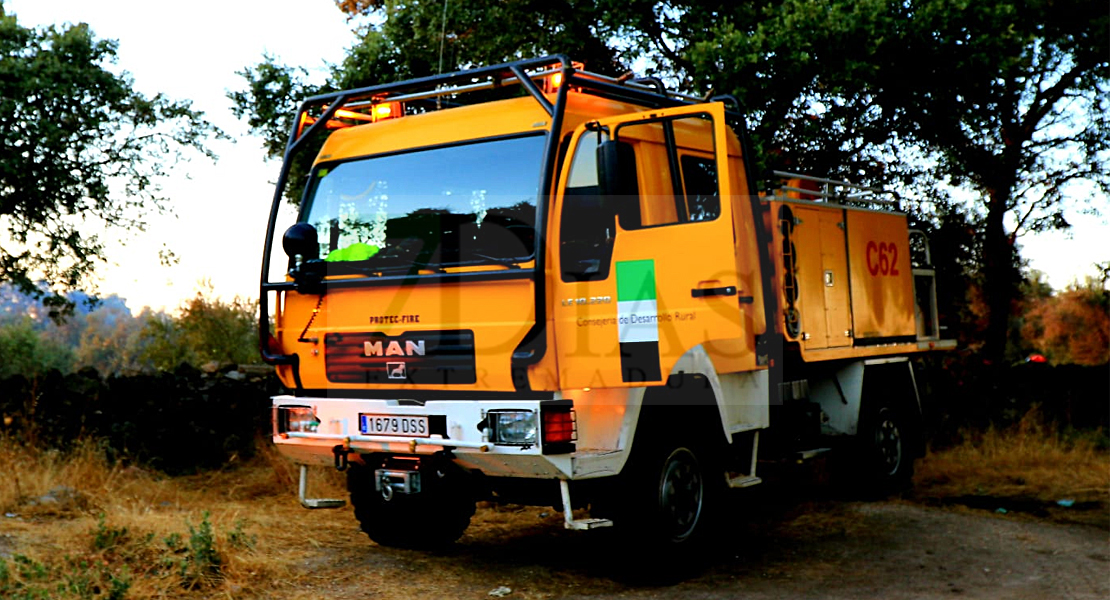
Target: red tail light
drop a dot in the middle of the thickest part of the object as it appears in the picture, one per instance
(558, 424)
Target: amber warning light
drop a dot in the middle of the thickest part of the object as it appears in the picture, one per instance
(553, 81)
(349, 118)
(386, 110)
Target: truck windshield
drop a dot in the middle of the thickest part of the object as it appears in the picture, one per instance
(449, 206)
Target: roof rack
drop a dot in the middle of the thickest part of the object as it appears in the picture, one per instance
(831, 191)
(352, 107)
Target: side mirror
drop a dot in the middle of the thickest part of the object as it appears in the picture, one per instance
(616, 179)
(301, 239)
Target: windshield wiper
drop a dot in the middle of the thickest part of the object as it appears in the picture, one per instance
(410, 267)
(361, 268)
(512, 262)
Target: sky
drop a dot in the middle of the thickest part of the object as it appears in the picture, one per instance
(192, 50)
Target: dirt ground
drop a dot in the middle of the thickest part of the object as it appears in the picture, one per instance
(786, 548)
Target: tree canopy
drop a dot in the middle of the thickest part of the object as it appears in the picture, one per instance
(994, 113)
(80, 150)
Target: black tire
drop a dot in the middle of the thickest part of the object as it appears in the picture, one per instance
(884, 453)
(672, 501)
(431, 519)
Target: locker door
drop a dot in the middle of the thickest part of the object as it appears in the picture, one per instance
(834, 278)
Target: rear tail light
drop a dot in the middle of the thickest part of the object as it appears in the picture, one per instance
(559, 426)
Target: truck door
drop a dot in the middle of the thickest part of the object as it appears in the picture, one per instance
(645, 275)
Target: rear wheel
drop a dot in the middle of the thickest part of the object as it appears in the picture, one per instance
(435, 517)
(884, 452)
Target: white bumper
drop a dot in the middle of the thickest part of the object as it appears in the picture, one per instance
(468, 445)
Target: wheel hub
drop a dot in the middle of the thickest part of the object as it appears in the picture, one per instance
(888, 441)
(680, 494)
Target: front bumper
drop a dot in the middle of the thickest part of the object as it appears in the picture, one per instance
(458, 432)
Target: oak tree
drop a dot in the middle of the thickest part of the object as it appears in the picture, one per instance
(81, 154)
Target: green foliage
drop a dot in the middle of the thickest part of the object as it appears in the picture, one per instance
(201, 565)
(70, 578)
(71, 130)
(209, 330)
(193, 561)
(270, 101)
(111, 341)
(239, 538)
(105, 538)
(24, 351)
(108, 340)
(218, 330)
(173, 541)
(160, 343)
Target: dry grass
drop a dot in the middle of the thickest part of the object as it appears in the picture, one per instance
(1031, 459)
(75, 526)
(113, 531)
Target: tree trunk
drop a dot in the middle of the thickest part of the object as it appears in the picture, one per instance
(998, 261)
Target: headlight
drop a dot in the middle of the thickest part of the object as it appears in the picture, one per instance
(300, 419)
(512, 427)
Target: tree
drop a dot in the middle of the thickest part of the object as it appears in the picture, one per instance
(1013, 101)
(25, 351)
(218, 330)
(160, 344)
(77, 145)
(1072, 326)
(108, 340)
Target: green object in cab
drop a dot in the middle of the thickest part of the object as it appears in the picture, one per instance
(356, 251)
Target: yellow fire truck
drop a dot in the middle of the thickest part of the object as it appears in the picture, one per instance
(535, 284)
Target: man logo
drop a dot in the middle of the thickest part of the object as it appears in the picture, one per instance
(394, 348)
(396, 370)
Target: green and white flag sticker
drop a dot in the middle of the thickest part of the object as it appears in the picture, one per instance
(636, 307)
(637, 320)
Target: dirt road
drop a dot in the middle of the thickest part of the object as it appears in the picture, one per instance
(824, 549)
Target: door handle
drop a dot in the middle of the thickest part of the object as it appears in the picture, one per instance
(717, 291)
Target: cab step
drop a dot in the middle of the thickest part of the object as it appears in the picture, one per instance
(587, 524)
(302, 489)
(743, 481)
(804, 455)
(568, 515)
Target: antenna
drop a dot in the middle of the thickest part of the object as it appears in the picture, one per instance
(442, 37)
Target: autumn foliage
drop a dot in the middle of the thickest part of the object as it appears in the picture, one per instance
(1072, 326)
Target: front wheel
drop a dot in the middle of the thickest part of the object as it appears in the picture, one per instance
(670, 501)
(680, 497)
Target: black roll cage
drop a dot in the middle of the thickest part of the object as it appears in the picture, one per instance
(647, 92)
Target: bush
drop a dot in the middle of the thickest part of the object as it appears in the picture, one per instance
(23, 351)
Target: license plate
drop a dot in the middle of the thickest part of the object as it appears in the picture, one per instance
(407, 425)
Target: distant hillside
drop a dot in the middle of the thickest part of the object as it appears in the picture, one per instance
(16, 304)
